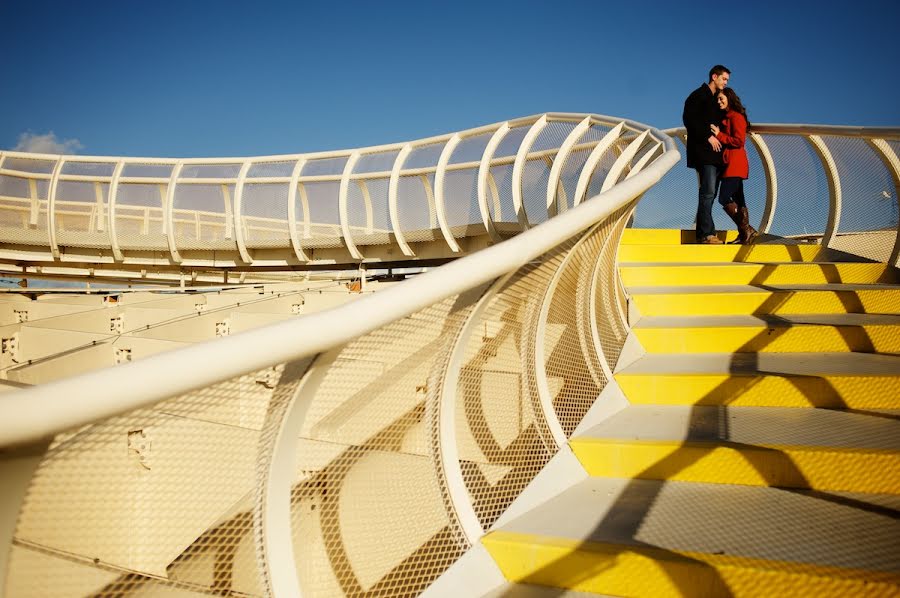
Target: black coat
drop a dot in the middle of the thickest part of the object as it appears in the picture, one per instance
(700, 111)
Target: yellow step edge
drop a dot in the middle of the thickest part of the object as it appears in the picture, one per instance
(833, 392)
(875, 301)
(668, 236)
(604, 568)
(757, 274)
(774, 339)
(817, 468)
(720, 253)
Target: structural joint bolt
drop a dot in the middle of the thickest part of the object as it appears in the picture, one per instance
(10, 345)
(21, 315)
(123, 355)
(117, 324)
(200, 307)
(296, 308)
(223, 328)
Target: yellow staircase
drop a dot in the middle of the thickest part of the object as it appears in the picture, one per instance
(759, 454)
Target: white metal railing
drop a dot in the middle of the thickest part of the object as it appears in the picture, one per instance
(795, 170)
(358, 193)
(442, 392)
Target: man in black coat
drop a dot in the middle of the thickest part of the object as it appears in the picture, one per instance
(704, 151)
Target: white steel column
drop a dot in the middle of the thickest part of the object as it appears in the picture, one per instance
(342, 205)
(892, 163)
(484, 171)
(834, 189)
(51, 208)
(584, 179)
(561, 157)
(238, 213)
(519, 169)
(292, 210)
(439, 203)
(393, 191)
(771, 182)
(111, 212)
(169, 212)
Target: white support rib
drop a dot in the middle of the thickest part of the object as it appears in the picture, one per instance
(834, 189)
(447, 409)
(292, 210)
(393, 205)
(367, 200)
(35, 210)
(169, 212)
(51, 208)
(495, 198)
(429, 196)
(111, 212)
(768, 165)
(484, 171)
(561, 157)
(584, 179)
(98, 201)
(238, 213)
(439, 203)
(645, 159)
(612, 177)
(892, 163)
(229, 211)
(342, 205)
(519, 169)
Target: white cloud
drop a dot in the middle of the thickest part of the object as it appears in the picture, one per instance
(46, 144)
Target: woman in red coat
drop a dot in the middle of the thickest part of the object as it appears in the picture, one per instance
(733, 135)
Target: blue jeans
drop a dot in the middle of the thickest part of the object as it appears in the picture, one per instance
(709, 180)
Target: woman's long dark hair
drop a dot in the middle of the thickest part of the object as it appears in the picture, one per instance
(734, 103)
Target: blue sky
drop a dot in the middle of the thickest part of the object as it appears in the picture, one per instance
(197, 78)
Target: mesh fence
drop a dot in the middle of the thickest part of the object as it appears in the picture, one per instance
(265, 215)
(82, 214)
(203, 216)
(139, 216)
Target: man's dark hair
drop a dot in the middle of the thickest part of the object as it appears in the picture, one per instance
(718, 70)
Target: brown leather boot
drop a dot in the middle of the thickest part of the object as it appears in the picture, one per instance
(734, 212)
(747, 232)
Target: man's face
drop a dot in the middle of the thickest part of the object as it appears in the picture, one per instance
(720, 81)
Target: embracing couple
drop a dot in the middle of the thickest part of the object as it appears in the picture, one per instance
(716, 124)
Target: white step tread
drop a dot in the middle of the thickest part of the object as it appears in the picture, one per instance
(843, 529)
(753, 426)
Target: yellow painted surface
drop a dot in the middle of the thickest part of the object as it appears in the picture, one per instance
(757, 274)
(718, 253)
(850, 470)
(836, 392)
(604, 568)
(875, 301)
(757, 339)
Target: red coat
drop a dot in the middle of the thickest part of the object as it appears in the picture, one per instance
(733, 135)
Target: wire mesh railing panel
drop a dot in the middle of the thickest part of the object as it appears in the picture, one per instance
(154, 497)
(802, 207)
(209, 171)
(271, 169)
(572, 364)
(608, 300)
(82, 214)
(415, 208)
(672, 202)
(461, 202)
(367, 210)
(318, 219)
(471, 149)
(139, 216)
(368, 513)
(23, 206)
(136, 169)
(535, 176)
(511, 142)
(202, 216)
(324, 166)
(376, 162)
(571, 170)
(97, 169)
(868, 218)
(501, 430)
(265, 215)
(500, 201)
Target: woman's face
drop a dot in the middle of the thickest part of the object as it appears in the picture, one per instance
(723, 101)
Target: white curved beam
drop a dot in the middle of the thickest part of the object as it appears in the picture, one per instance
(519, 169)
(561, 156)
(367, 200)
(495, 197)
(393, 206)
(439, 200)
(342, 205)
(612, 177)
(239, 213)
(892, 163)
(169, 212)
(292, 210)
(584, 179)
(111, 212)
(834, 189)
(771, 174)
(51, 208)
(484, 170)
